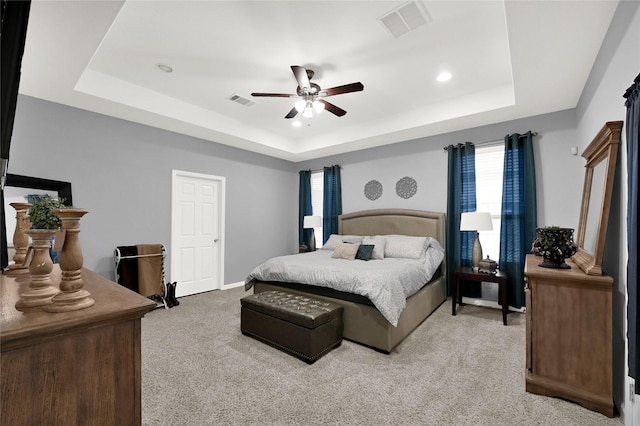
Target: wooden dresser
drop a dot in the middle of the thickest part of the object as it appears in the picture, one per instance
(72, 368)
(569, 325)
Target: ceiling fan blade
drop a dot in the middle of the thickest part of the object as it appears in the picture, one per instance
(347, 88)
(274, 95)
(301, 77)
(292, 113)
(332, 108)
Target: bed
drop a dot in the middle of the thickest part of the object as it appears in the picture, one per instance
(363, 322)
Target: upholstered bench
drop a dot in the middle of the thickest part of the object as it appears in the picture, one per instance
(301, 326)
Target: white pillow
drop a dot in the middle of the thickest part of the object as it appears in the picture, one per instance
(345, 251)
(335, 240)
(378, 246)
(406, 247)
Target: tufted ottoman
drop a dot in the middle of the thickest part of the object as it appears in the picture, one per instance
(304, 327)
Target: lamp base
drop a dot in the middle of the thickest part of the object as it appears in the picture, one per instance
(476, 254)
(312, 242)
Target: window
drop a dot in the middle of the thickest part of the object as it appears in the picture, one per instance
(489, 166)
(317, 192)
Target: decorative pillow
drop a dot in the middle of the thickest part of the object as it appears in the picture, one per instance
(345, 251)
(365, 251)
(335, 240)
(378, 246)
(404, 246)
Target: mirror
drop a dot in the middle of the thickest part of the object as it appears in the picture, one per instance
(601, 156)
(30, 185)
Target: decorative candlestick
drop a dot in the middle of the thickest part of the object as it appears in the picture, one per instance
(72, 296)
(40, 289)
(20, 240)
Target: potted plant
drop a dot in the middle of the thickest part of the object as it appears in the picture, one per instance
(44, 224)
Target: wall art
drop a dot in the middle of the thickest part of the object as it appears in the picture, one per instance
(406, 187)
(373, 190)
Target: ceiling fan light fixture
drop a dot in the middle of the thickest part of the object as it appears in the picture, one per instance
(300, 105)
(318, 106)
(308, 112)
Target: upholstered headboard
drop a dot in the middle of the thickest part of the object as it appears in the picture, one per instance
(417, 223)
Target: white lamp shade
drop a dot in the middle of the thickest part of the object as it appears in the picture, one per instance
(300, 105)
(476, 221)
(312, 222)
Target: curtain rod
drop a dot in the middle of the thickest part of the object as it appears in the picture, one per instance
(495, 141)
(321, 170)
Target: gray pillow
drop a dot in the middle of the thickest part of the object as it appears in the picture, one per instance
(378, 246)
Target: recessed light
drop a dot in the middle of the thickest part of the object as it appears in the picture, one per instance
(164, 68)
(444, 76)
(296, 123)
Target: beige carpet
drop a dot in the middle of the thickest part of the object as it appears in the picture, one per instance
(198, 369)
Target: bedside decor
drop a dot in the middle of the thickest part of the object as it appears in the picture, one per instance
(487, 266)
(373, 190)
(20, 239)
(72, 297)
(476, 221)
(406, 187)
(312, 222)
(554, 244)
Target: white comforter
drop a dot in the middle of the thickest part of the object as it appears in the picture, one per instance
(387, 282)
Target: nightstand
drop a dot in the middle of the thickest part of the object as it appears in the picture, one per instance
(467, 273)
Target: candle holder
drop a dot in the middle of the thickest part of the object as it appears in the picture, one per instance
(72, 296)
(40, 290)
(20, 240)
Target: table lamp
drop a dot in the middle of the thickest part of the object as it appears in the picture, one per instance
(476, 221)
(312, 222)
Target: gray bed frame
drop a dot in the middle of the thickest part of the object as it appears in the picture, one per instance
(364, 323)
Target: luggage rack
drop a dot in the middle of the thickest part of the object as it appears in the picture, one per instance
(127, 275)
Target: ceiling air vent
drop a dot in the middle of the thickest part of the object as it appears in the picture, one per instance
(403, 19)
(240, 100)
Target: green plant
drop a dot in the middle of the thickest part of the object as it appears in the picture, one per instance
(41, 213)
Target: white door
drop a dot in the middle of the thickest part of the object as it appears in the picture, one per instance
(197, 232)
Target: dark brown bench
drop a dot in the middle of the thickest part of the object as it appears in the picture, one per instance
(301, 326)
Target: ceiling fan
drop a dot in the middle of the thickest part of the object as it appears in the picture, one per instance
(310, 94)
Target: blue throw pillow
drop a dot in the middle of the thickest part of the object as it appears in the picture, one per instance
(365, 251)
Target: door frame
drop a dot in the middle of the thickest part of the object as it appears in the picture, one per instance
(175, 174)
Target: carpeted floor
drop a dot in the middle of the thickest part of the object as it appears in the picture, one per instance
(198, 369)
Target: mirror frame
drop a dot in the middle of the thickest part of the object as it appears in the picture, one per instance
(604, 147)
(19, 181)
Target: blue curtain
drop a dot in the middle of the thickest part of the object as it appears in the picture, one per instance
(519, 212)
(304, 207)
(332, 201)
(461, 198)
(632, 103)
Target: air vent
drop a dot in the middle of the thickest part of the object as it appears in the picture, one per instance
(403, 19)
(240, 100)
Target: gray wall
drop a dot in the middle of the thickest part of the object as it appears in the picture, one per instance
(558, 172)
(121, 172)
(618, 63)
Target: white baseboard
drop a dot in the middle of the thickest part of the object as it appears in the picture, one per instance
(233, 285)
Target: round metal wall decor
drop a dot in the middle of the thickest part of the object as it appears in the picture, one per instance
(373, 190)
(406, 187)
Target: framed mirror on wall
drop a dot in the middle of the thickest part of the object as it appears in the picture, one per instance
(16, 188)
(601, 156)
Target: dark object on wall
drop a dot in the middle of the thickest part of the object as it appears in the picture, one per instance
(63, 189)
(555, 245)
(13, 32)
